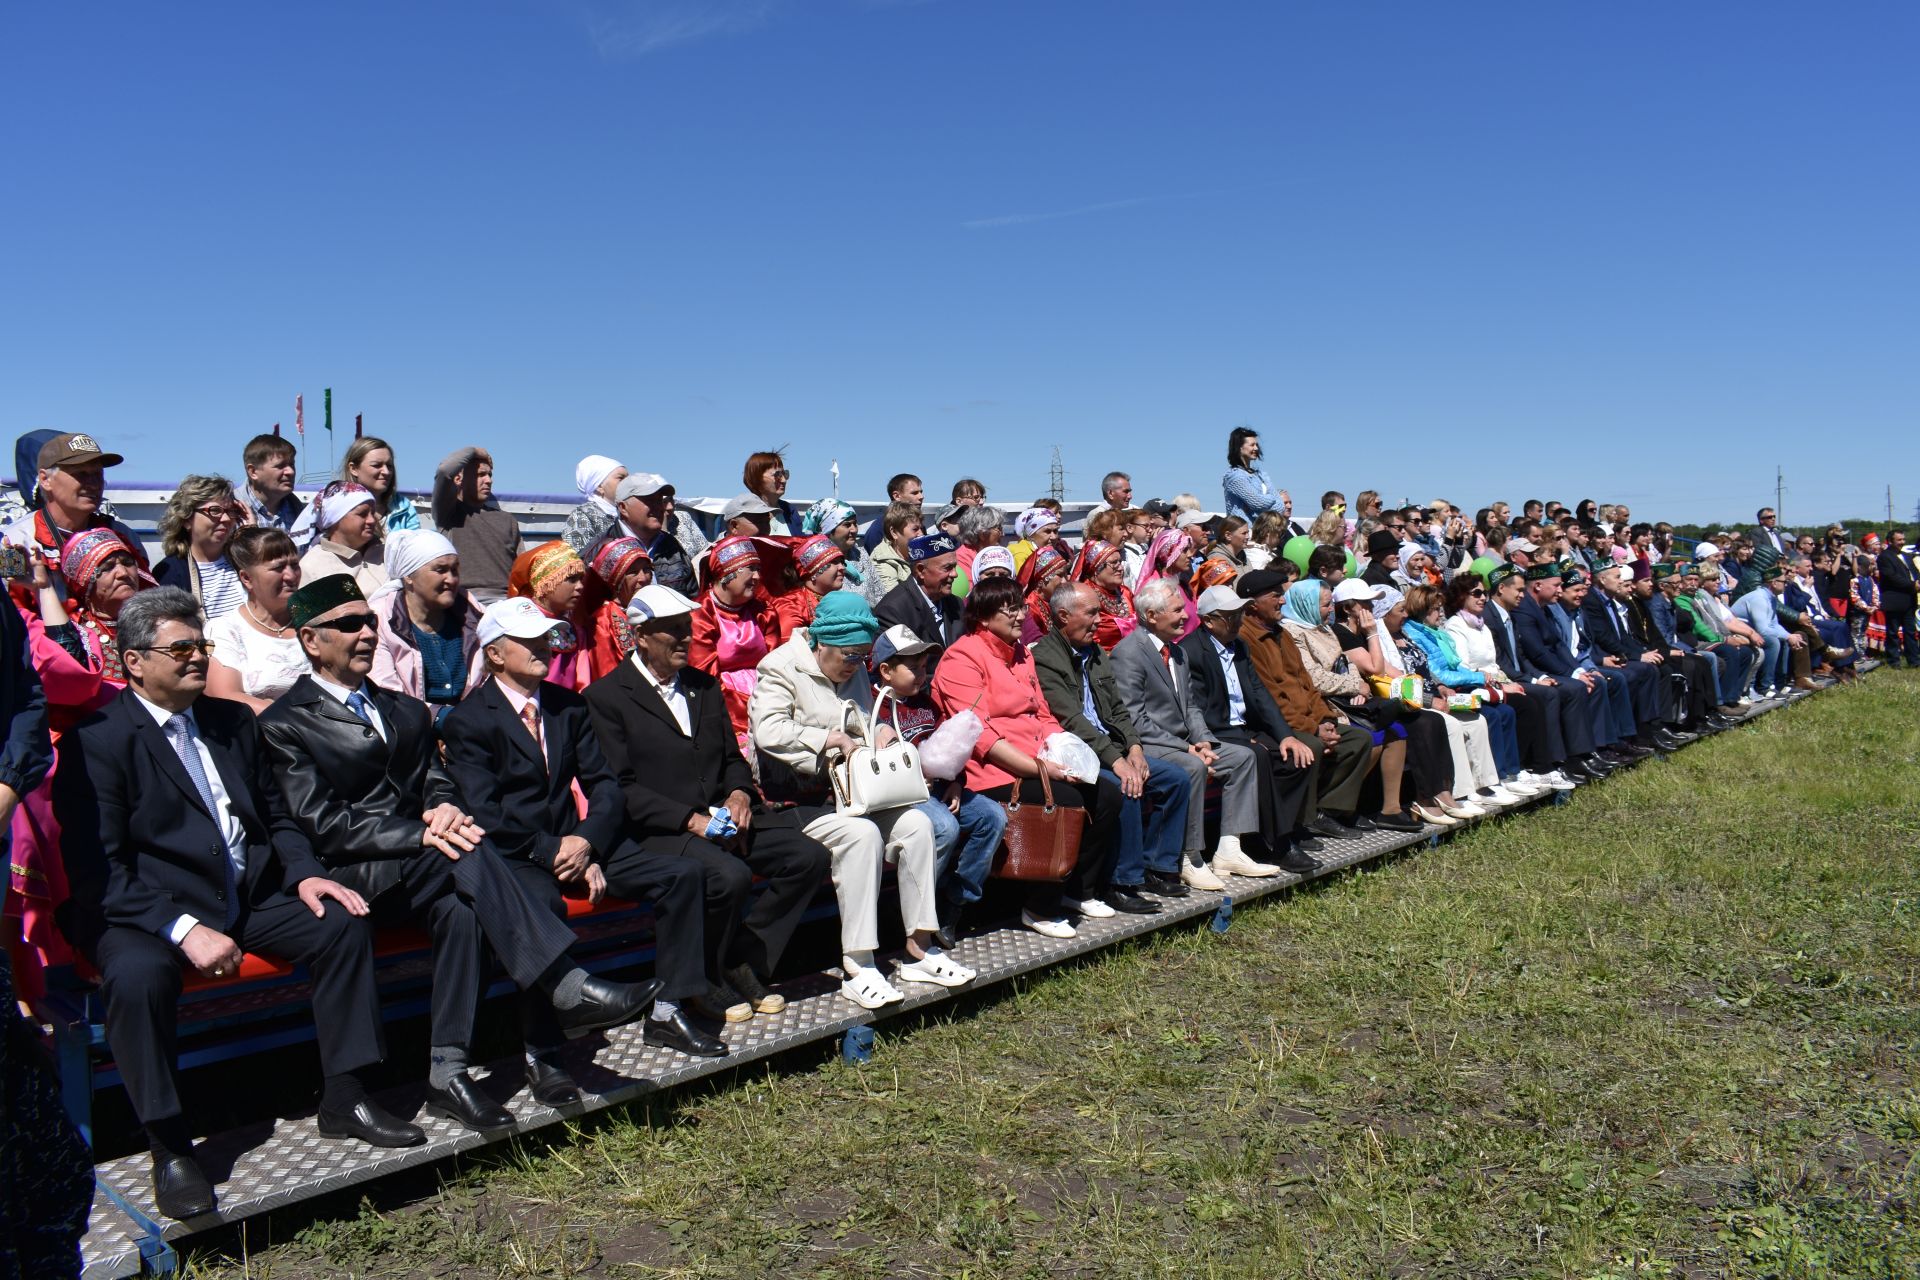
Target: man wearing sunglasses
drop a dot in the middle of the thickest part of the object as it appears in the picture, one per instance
(183, 854)
(362, 774)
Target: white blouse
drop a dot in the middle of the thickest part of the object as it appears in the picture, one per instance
(268, 665)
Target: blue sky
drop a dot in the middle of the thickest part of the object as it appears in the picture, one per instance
(1642, 251)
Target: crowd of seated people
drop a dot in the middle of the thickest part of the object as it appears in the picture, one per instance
(316, 715)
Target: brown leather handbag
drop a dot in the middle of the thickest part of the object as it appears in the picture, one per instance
(1042, 841)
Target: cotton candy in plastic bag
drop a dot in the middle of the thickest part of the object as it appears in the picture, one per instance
(1073, 755)
(944, 753)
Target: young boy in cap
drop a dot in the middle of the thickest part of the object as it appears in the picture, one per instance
(962, 821)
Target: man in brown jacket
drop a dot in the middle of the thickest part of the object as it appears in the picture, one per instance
(1342, 752)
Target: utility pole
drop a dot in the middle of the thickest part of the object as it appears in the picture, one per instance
(1057, 477)
(1779, 492)
(1889, 504)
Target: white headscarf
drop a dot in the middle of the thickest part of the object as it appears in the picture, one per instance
(590, 474)
(408, 551)
(333, 502)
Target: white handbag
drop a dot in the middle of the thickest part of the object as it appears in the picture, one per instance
(874, 778)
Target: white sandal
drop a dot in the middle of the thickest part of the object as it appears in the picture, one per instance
(870, 990)
(935, 967)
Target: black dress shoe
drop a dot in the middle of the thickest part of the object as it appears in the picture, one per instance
(607, 1004)
(1306, 843)
(1633, 751)
(463, 1103)
(1331, 828)
(1670, 742)
(550, 1084)
(372, 1125)
(947, 936)
(1162, 885)
(1402, 821)
(1298, 861)
(179, 1188)
(679, 1032)
(1125, 898)
(720, 1003)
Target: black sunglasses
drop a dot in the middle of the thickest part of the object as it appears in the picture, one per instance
(348, 625)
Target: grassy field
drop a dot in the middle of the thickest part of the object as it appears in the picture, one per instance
(1668, 1029)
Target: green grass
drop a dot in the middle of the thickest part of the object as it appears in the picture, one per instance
(1666, 1030)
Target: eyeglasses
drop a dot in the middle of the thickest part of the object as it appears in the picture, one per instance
(781, 474)
(1478, 593)
(858, 655)
(216, 513)
(1015, 611)
(181, 650)
(348, 625)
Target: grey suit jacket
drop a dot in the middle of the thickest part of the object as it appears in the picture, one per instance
(1158, 696)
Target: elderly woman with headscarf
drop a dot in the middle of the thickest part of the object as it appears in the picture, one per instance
(1036, 527)
(554, 577)
(992, 561)
(735, 625)
(819, 568)
(1416, 568)
(810, 711)
(596, 477)
(1102, 565)
(1039, 577)
(71, 646)
(346, 538)
(836, 521)
(429, 646)
(1170, 556)
(616, 569)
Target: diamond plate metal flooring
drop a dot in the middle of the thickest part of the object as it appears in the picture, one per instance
(274, 1164)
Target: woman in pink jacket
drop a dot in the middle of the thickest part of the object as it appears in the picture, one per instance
(988, 672)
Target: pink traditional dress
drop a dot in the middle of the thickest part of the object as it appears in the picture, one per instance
(729, 640)
(37, 879)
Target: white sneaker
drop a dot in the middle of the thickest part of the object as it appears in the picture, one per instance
(1235, 862)
(1559, 781)
(1090, 908)
(869, 988)
(1525, 790)
(1499, 797)
(1048, 927)
(1200, 876)
(937, 968)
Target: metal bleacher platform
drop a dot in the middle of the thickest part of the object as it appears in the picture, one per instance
(279, 1163)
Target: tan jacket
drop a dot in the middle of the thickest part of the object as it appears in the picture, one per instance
(1319, 650)
(793, 708)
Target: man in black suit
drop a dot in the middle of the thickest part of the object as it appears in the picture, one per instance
(519, 748)
(1608, 624)
(1232, 699)
(181, 851)
(1544, 647)
(924, 603)
(689, 792)
(362, 774)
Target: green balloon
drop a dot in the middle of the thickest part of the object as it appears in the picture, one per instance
(1353, 566)
(1298, 550)
(1484, 566)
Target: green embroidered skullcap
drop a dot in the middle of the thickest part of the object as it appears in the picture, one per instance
(323, 595)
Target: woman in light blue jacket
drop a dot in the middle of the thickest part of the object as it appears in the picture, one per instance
(1249, 492)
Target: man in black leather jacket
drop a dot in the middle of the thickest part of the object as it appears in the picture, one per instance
(361, 772)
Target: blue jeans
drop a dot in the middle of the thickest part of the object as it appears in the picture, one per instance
(1153, 840)
(1773, 664)
(1503, 737)
(975, 833)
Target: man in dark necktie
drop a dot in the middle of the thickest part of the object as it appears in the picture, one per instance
(362, 773)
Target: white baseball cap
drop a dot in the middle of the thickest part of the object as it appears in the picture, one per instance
(1357, 589)
(1187, 519)
(655, 601)
(1221, 599)
(519, 617)
(640, 484)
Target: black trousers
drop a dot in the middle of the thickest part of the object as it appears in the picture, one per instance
(1537, 727)
(674, 886)
(141, 977)
(1338, 773)
(1284, 785)
(470, 905)
(1697, 700)
(793, 864)
(1577, 711)
(1646, 685)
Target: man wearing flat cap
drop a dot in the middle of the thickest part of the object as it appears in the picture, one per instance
(65, 495)
(362, 775)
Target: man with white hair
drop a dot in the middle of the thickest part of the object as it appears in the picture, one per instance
(1151, 671)
(1116, 490)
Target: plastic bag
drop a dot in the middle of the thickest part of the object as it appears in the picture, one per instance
(944, 752)
(1073, 755)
